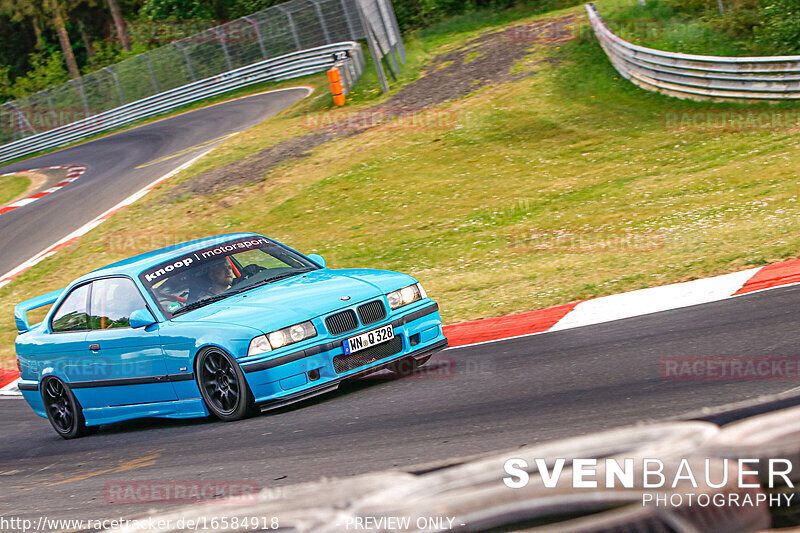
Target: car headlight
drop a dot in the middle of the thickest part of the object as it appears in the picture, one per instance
(406, 295)
(282, 337)
(259, 345)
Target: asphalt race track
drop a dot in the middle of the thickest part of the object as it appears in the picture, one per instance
(501, 396)
(112, 176)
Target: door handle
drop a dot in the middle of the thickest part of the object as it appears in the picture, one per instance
(94, 347)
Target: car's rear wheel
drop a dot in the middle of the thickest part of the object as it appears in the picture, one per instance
(407, 367)
(63, 410)
(222, 385)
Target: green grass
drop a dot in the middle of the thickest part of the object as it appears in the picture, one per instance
(659, 25)
(562, 186)
(11, 187)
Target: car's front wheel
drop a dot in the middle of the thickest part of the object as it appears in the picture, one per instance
(63, 410)
(222, 385)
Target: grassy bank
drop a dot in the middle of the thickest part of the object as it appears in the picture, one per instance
(566, 184)
(11, 187)
(745, 29)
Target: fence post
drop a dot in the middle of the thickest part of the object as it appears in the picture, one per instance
(393, 20)
(22, 120)
(292, 27)
(152, 73)
(258, 36)
(182, 48)
(387, 34)
(322, 21)
(77, 82)
(350, 28)
(221, 39)
(110, 70)
(373, 46)
(52, 108)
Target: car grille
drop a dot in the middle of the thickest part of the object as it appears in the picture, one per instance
(371, 312)
(341, 322)
(345, 363)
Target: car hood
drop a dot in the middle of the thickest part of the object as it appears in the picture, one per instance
(300, 298)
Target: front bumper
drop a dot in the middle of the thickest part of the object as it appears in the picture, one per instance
(304, 373)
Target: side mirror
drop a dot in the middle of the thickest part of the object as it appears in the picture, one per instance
(141, 318)
(318, 259)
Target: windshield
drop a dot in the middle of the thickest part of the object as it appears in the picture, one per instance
(219, 271)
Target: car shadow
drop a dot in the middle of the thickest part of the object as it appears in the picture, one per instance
(345, 388)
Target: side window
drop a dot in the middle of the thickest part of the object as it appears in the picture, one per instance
(71, 316)
(113, 301)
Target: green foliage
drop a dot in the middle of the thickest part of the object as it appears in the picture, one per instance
(46, 70)
(747, 27)
(420, 13)
(780, 27)
(177, 10)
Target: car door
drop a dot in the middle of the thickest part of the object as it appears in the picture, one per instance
(130, 362)
(64, 355)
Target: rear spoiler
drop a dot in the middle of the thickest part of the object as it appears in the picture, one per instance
(21, 310)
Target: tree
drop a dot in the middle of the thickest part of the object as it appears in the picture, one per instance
(63, 37)
(21, 10)
(119, 23)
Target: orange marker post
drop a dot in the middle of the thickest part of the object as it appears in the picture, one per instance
(335, 77)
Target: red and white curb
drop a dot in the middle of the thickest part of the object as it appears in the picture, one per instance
(595, 311)
(86, 228)
(9, 378)
(8, 383)
(72, 237)
(625, 305)
(74, 172)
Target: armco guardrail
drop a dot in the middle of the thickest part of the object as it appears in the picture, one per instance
(700, 77)
(348, 56)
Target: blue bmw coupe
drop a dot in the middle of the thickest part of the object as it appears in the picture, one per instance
(224, 326)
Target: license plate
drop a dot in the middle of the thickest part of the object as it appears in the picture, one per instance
(370, 338)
